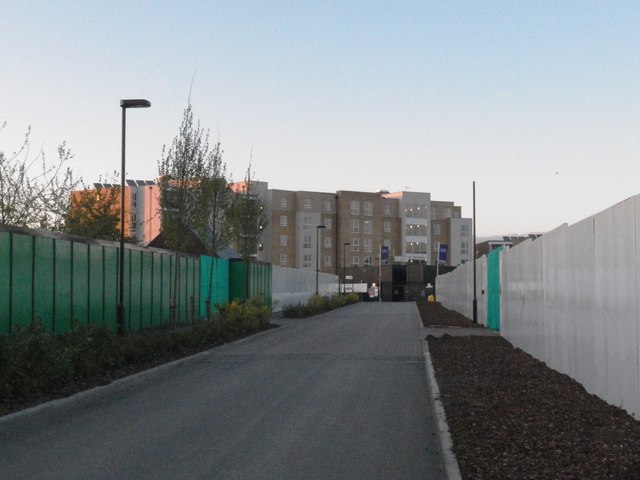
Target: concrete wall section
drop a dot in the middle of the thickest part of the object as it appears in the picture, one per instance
(615, 305)
(580, 275)
(291, 286)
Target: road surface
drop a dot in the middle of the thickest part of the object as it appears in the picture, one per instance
(338, 396)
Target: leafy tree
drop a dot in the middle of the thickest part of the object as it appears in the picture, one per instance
(194, 192)
(35, 197)
(247, 218)
(95, 213)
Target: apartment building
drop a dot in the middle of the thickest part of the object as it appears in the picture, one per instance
(141, 206)
(348, 228)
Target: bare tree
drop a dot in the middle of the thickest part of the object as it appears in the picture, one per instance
(33, 192)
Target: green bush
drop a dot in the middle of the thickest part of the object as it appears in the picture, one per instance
(318, 304)
(35, 362)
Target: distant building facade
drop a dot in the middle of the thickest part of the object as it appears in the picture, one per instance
(348, 229)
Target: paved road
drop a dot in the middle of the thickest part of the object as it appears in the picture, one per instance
(338, 396)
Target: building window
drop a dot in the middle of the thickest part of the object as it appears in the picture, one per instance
(387, 227)
(283, 221)
(283, 202)
(436, 229)
(464, 230)
(306, 241)
(386, 242)
(283, 259)
(464, 248)
(327, 223)
(306, 260)
(456, 214)
(327, 242)
(355, 207)
(327, 260)
(435, 247)
(416, 230)
(355, 261)
(387, 209)
(415, 211)
(367, 245)
(355, 244)
(327, 205)
(367, 261)
(355, 226)
(368, 209)
(368, 227)
(434, 213)
(306, 222)
(307, 203)
(416, 248)
(283, 240)
(447, 212)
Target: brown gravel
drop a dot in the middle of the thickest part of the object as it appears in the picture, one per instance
(512, 417)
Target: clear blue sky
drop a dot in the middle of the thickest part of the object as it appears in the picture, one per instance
(351, 95)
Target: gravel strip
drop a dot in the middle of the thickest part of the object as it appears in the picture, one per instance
(512, 417)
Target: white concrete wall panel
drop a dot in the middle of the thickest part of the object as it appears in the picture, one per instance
(291, 286)
(556, 294)
(616, 305)
(580, 263)
(636, 204)
(482, 293)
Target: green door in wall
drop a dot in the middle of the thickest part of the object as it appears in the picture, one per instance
(493, 284)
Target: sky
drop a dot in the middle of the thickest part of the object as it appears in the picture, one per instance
(537, 102)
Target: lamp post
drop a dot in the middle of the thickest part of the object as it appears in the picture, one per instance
(344, 256)
(124, 104)
(318, 228)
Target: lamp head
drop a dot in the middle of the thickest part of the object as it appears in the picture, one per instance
(135, 103)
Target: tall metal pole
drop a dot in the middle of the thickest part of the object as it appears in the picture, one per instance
(344, 266)
(120, 313)
(318, 228)
(475, 298)
(124, 104)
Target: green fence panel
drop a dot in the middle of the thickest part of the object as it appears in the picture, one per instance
(62, 295)
(156, 289)
(146, 300)
(80, 282)
(43, 280)
(238, 280)
(21, 280)
(96, 285)
(214, 283)
(110, 265)
(167, 287)
(5, 282)
(135, 289)
(493, 288)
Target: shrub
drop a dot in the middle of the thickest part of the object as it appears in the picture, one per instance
(318, 304)
(35, 362)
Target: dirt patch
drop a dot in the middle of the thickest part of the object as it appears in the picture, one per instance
(512, 417)
(435, 315)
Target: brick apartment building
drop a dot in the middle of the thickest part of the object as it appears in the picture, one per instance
(347, 229)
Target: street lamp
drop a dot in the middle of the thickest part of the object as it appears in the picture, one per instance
(124, 104)
(344, 255)
(318, 228)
